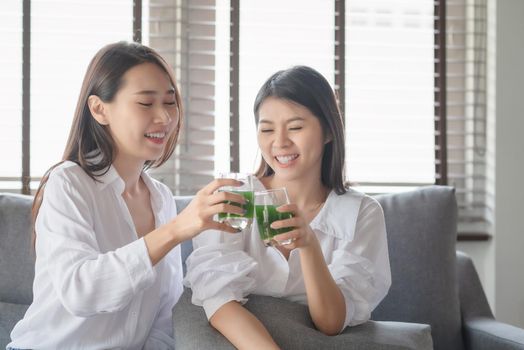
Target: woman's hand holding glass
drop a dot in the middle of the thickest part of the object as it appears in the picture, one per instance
(246, 191)
(199, 215)
(300, 236)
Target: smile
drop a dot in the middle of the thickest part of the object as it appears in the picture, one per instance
(286, 159)
(155, 135)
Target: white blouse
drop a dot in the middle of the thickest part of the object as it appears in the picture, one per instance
(352, 235)
(95, 286)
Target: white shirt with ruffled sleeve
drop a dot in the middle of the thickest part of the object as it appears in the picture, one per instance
(352, 235)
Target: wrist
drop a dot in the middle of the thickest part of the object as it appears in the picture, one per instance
(176, 232)
(312, 244)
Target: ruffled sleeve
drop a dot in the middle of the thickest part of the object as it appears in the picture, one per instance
(360, 262)
(219, 271)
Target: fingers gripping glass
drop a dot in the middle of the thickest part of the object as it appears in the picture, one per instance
(266, 204)
(246, 190)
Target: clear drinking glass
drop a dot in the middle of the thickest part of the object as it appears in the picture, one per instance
(245, 190)
(266, 204)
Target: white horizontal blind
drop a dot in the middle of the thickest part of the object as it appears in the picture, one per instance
(161, 26)
(222, 86)
(65, 36)
(389, 85)
(11, 96)
(184, 32)
(468, 151)
(390, 93)
(276, 35)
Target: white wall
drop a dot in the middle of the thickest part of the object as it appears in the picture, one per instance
(483, 255)
(509, 170)
(500, 262)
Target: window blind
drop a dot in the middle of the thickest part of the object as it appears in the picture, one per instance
(65, 36)
(389, 50)
(11, 96)
(390, 94)
(276, 35)
(192, 52)
(160, 25)
(468, 151)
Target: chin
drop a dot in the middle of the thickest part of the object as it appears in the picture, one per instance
(151, 157)
(287, 175)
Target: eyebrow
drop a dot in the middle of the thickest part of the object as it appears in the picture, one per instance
(294, 119)
(154, 92)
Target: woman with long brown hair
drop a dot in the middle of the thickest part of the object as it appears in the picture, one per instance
(108, 263)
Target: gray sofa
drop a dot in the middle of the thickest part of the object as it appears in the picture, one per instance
(435, 300)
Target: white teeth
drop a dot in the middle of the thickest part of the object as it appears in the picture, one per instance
(286, 159)
(156, 135)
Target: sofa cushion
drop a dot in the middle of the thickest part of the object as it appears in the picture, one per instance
(421, 228)
(17, 257)
(291, 326)
(10, 315)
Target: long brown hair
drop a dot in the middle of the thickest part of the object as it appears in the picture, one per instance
(87, 138)
(308, 88)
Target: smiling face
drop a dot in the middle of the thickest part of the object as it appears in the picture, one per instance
(143, 114)
(291, 139)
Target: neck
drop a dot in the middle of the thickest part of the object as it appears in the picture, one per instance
(129, 170)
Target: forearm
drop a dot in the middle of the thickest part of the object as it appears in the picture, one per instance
(241, 327)
(195, 218)
(325, 300)
(160, 241)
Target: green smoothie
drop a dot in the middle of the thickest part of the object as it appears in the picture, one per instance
(266, 215)
(248, 195)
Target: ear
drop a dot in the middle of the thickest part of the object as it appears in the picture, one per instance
(98, 109)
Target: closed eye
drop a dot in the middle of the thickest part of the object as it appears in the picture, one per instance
(296, 128)
(145, 104)
(170, 103)
(266, 130)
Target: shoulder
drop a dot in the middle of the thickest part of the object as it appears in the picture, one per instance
(351, 195)
(343, 211)
(354, 200)
(368, 204)
(69, 189)
(69, 174)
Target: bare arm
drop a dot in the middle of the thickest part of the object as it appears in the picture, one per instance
(241, 327)
(325, 300)
(197, 217)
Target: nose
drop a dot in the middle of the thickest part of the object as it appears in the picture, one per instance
(163, 116)
(281, 139)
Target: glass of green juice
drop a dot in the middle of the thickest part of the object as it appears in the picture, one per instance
(246, 191)
(266, 204)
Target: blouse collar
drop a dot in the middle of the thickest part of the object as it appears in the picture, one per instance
(110, 177)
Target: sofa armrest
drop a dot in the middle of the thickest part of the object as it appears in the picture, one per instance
(486, 333)
(192, 331)
(473, 301)
(481, 330)
(291, 327)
